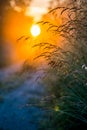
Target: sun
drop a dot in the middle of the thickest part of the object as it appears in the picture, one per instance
(35, 30)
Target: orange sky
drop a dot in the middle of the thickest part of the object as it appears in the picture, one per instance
(36, 9)
(17, 24)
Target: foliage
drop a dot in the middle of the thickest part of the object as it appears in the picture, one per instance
(67, 73)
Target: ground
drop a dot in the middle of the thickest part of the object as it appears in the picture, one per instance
(16, 105)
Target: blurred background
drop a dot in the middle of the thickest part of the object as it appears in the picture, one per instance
(16, 19)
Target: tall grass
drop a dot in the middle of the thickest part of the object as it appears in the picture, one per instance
(66, 77)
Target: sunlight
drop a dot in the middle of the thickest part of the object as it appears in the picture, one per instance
(35, 30)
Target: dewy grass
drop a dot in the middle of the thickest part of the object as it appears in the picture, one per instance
(66, 77)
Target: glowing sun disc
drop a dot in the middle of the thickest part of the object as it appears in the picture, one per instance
(35, 30)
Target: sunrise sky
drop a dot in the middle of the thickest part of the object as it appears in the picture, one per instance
(36, 9)
(19, 22)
